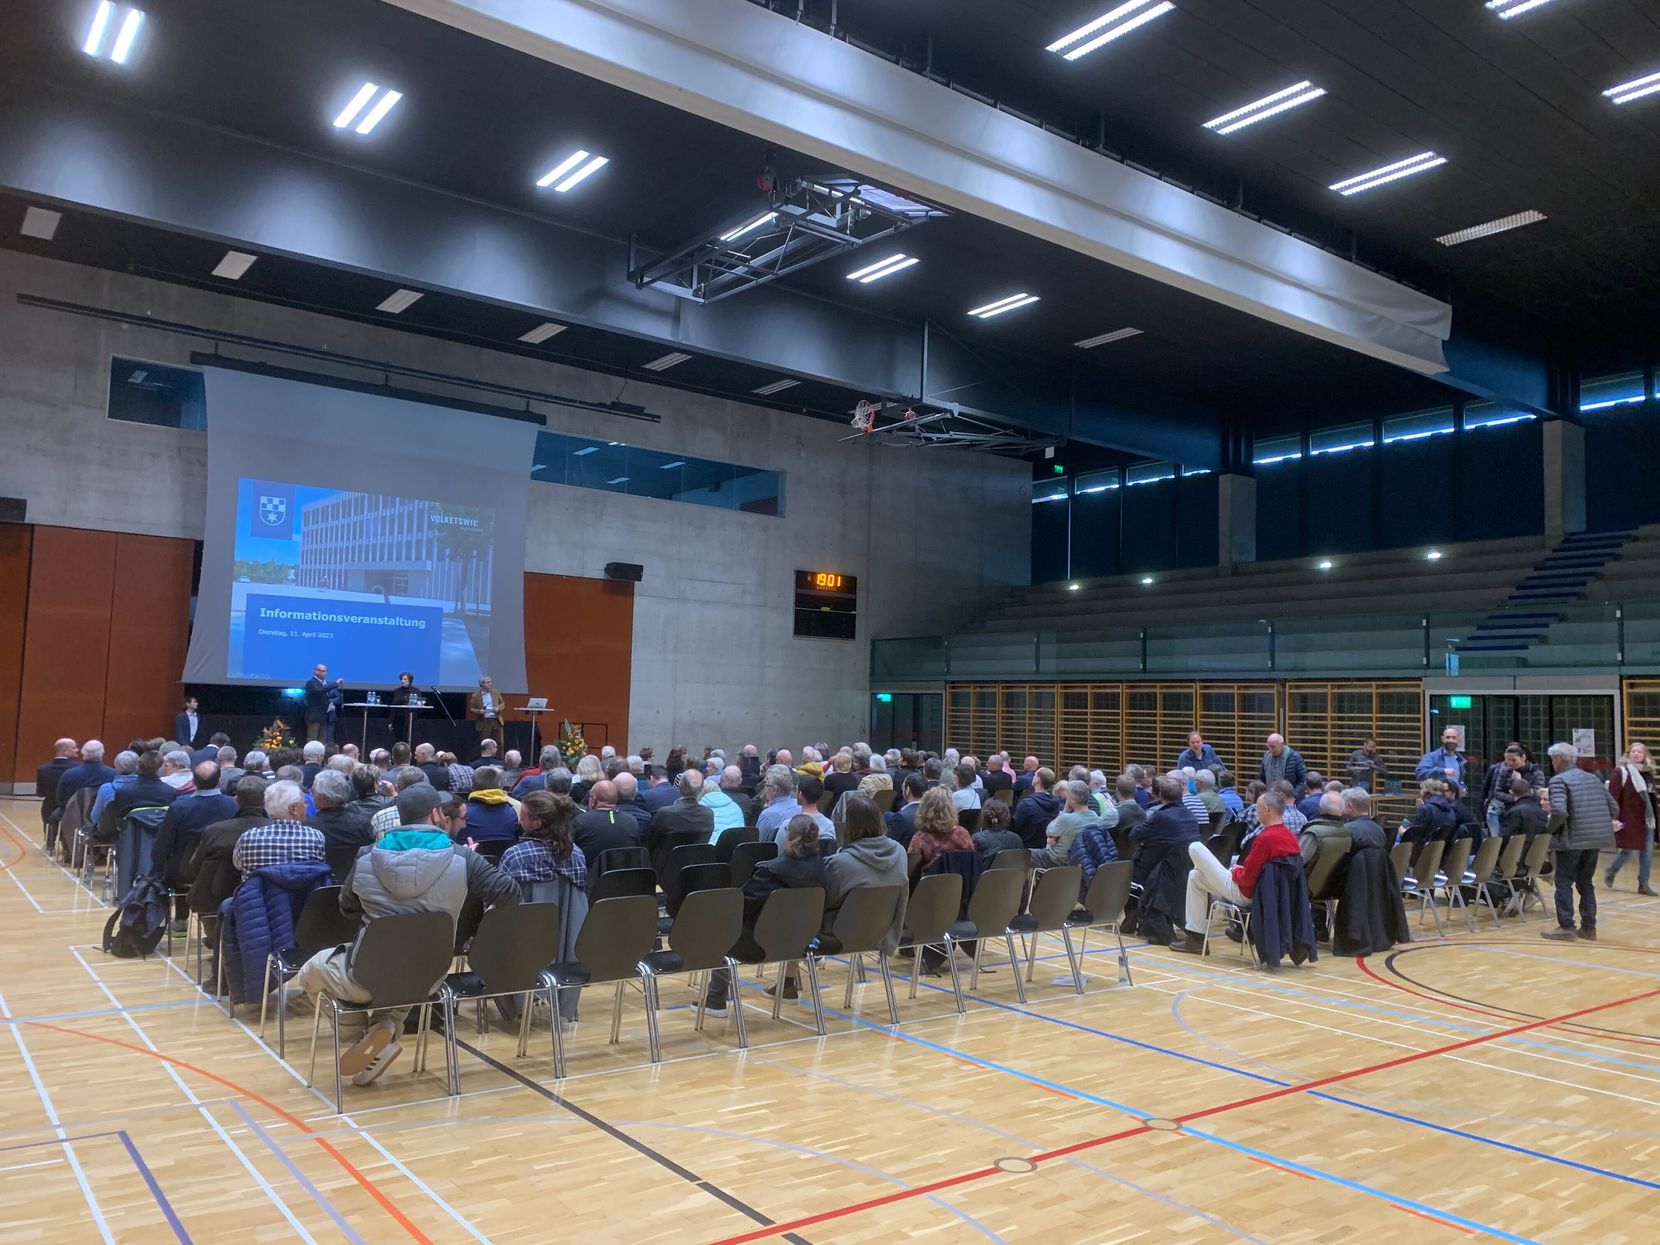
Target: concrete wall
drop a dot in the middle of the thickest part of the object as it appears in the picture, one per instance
(932, 535)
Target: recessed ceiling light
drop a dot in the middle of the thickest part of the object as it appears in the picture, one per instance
(1420, 163)
(1109, 26)
(139, 377)
(574, 168)
(1434, 555)
(670, 466)
(542, 332)
(777, 386)
(883, 268)
(39, 222)
(1010, 303)
(234, 265)
(585, 451)
(1502, 225)
(1283, 100)
(1117, 335)
(1635, 89)
(618, 480)
(663, 362)
(765, 218)
(399, 301)
(1146, 579)
(1073, 587)
(375, 115)
(104, 38)
(1508, 9)
(1324, 564)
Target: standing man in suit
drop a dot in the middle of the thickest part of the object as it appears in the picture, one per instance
(187, 726)
(317, 703)
(486, 707)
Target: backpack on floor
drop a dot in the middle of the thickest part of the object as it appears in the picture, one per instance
(139, 920)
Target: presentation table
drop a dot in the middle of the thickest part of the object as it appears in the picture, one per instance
(366, 707)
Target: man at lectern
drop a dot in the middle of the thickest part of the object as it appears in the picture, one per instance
(487, 706)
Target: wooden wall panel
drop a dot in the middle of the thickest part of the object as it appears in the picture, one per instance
(579, 650)
(149, 633)
(66, 642)
(14, 608)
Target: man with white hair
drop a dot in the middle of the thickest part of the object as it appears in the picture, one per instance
(777, 797)
(606, 753)
(343, 825)
(731, 783)
(1583, 818)
(312, 757)
(284, 838)
(1204, 786)
(257, 763)
(175, 771)
(512, 767)
(126, 769)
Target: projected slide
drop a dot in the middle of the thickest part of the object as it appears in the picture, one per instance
(371, 533)
(368, 584)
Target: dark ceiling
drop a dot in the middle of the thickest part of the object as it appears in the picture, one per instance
(1515, 106)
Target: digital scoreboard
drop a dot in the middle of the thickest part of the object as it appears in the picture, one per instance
(826, 605)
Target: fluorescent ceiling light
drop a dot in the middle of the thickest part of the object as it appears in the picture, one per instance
(98, 29)
(670, 466)
(1420, 163)
(1635, 89)
(39, 222)
(1325, 564)
(399, 301)
(1508, 9)
(1146, 579)
(139, 377)
(1434, 555)
(882, 268)
(765, 218)
(663, 362)
(1269, 105)
(563, 171)
(1504, 223)
(586, 450)
(234, 265)
(388, 99)
(1109, 26)
(1117, 335)
(542, 332)
(618, 480)
(1011, 303)
(777, 386)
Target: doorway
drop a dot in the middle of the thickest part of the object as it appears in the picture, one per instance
(1492, 720)
(907, 720)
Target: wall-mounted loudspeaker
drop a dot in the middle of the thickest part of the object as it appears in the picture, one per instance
(13, 509)
(633, 572)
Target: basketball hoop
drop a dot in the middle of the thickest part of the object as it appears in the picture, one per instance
(864, 416)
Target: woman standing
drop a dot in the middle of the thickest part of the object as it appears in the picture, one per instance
(1632, 787)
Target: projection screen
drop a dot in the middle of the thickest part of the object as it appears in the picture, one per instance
(369, 533)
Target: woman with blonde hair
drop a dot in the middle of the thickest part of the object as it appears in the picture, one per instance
(937, 831)
(1632, 786)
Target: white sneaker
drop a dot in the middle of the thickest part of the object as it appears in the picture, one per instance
(382, 1061)
(366, 1052)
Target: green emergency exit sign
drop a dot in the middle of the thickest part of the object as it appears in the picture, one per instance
(885, 698)
(1459, 702)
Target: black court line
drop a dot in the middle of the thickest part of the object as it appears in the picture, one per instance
(633, 1143)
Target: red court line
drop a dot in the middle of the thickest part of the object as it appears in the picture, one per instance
(385, 1202)
(1289, 1171)
(1204, 1113)
(22, 849)
(1456, 1227)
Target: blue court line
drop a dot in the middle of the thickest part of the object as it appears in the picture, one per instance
(57, 1141)
(1255, 1076)
(155, 1189)
(1197, 1133)
(1420, 1207)
(103, 1011)
(316, 1195)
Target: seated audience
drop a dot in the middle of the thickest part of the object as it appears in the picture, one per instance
(512, 766)
(50, 773)
(1023, 780)
(124, 775)
(180, 832)
(628, 799)
(1204, 786)
(841, 779)
(343, 825)
(1092, 848)
(386, 818)
(1130, 812)
(535, 779)
(588, 772)
(726, 811)
(1161, 857)
(545, 850)
(1208, 877)
(1434, 816)
(175, 770)
(1363, 830)
(1037, 809)
(997, 777)
(282, 839)
(601, 827)
(995, 834)
(1228, 793)
(148, 789)
(776, 796)
(659, 792)
(1327, 826)
(1524, 815)
(414, 868)
(687, 820)
(490, 811)
(1308, 799)
(368, 798)
(809, 790)
(210, 869)
(902, 821)
(937, 830)
(313, 755)
(965, 796)
(426, 760)
(1075, 816)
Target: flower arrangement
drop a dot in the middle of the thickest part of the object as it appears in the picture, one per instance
(274, 736)
(572, 746)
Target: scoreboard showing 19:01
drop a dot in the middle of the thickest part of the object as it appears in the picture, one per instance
(826, 605)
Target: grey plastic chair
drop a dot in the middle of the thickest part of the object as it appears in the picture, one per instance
(618, 934)
(1053, 899)
(932, 910)
(710, 921)
(706, 875)
(1533, 860)
(505, 958)
(1324, 883)
(1401, 857)
(620, 882)
(321, 924)
(994, 903)
(784, 931)
(1419, 883)
(1103, 908)
(745, 856)
(1479, 874)
(400, 960)
(1449, 880)
(862, 922)
(1012, 858)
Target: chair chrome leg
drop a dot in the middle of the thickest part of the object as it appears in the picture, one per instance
(1072, 959)
(956, 980)
(1014, 967)
(616, 1015)
(648, 982)
(1030, 948)
(778, 992)
(526, 1006)
(853, 967)
(1123, 957)
(452, 1053)
(282, 1025)
(558, 1027)
(316, 1027)
(887, 985)
(339, 1083)
(812, 984)
(735, 1001)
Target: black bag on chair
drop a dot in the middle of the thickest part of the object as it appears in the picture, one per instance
(139, 921)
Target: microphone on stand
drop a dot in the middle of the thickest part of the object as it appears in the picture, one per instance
(439, 696)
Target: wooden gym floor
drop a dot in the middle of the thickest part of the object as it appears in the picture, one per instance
(1487, 1085)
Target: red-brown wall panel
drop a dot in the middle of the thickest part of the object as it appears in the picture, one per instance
(66, 642)
(579, 651)
(14, 609)
(150, 630)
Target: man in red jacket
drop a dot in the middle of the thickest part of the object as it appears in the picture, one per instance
(1210, 877)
